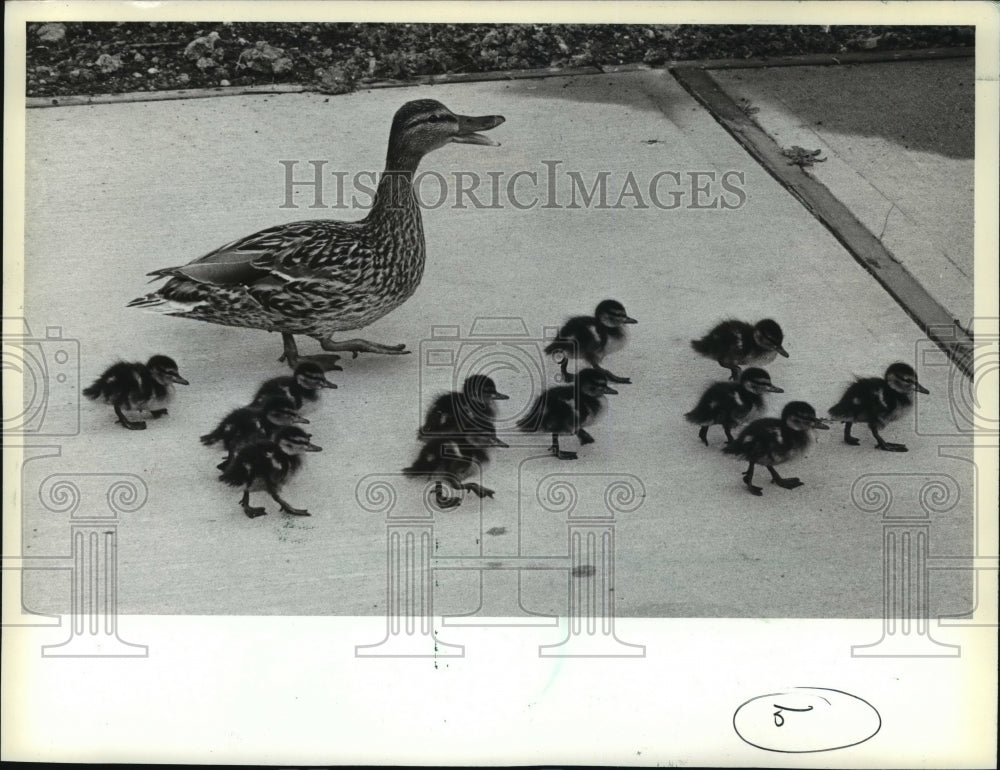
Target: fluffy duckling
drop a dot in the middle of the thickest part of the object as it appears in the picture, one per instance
(877, 401)
(771, 441)
(567, 409)
(731, 403)
(591, 338)
(253, 423)
(268, 465)
(451, 461)
(303, 386)
(735, 343)
(136, 387)
(471, 411)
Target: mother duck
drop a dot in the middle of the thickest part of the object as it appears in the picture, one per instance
(321, 277)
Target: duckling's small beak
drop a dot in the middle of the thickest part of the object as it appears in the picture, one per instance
(821, 423)
(500, 397)
(920, 388)
(327, 383)
(468, 126)
(312, 448)
(773, 389)
(630, 320)
(300, 420)
(502, 444)
(178, 379)
(606, 389)
(782, 351)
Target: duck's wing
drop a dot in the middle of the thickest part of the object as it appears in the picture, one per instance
(284, 252)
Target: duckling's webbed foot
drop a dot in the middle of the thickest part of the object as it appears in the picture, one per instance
(249, 510)
(884, 445)
(126, 422)
(585, 438)
(748, 480)
(561, 454)
(356, 346)
(442, 500)
(784, 483)
(848, 438)
(481, 491)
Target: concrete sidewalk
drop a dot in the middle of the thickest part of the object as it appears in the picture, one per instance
(114, 191)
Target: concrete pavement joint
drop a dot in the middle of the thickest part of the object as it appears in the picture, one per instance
(861, 243)
(857, 57)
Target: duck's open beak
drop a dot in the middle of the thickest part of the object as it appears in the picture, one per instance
(178, 379)
(782, 351)
(468, 126)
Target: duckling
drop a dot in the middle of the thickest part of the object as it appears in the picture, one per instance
(592, 338)
(471, 411)
(770, 442)
(319, 278)
(567, 409)
(730, 403)
(302, 387)
(137, 387)
(734, 343)
(249, 424)
(452, 460)
(878, 401)
(268, 465)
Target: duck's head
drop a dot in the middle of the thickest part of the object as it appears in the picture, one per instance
(758, 381)
(280, 410)
(594, 383)
(310, 376)
(769, 336)
(164, 370)
(800, 416)
(901, 378)
(479, 389)
(612, 313)
(424, 125)
(294, 441)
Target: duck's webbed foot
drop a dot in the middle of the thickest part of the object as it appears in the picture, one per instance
(748, 480)
(126, 422)
(884, 445)
(291, 356)
(249, 510)
(442, 500)
(784, 483)
(356, 346)
(585, 438)
(561, 454)
(481, 491)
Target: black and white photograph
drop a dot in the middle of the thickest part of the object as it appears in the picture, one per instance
(501, 383)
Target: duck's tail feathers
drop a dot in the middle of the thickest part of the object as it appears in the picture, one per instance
(94, 391)
(700, 346)
(230, 475)
(210, 438)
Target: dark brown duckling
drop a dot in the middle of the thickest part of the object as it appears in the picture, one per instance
(877, 401)
(268, 465)
(451, 460)
(253, 423)
(302, 387)
(472, 410)
(137, 387)
(730, 404)
(736, 343)
(591, 338)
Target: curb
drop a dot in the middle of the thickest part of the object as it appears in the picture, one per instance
(861, 243)
(805, 60)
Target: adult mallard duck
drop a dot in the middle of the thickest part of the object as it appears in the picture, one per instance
(321, 277)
